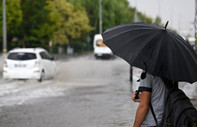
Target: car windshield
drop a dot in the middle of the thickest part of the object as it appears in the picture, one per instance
(22, 56)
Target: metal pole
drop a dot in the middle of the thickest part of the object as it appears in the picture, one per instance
(4, 28)
(100, 17)
(195, 23)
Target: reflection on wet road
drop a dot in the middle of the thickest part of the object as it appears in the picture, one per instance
(85, 92)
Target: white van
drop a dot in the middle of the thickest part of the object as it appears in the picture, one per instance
(100, 49)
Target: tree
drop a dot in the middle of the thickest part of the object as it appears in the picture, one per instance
(91, 9)
(110, 10)
(73, 22)
(35, 16)
(62, 21)
(145, 18)
(13, 18)
(114, 12)
(158, 21)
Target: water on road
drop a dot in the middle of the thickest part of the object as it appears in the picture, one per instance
(85, 92)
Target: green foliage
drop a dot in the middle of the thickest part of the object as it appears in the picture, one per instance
(114, 12)
(91, 8)
(13, 19)
(144, 18)
(35, 16)
(65, 22)
(158, 21)
(73, 22)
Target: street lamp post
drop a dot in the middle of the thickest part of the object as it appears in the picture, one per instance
(4, 28)
(100, 17)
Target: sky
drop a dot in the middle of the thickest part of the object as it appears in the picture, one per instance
(179, 13)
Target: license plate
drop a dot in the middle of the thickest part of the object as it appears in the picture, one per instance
(20, 65)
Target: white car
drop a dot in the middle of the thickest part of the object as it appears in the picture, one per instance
(29, 63)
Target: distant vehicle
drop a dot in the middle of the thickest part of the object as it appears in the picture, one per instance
(29, 63)
(192, 42)
(100, 49)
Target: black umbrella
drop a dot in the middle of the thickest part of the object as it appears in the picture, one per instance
(156, 49)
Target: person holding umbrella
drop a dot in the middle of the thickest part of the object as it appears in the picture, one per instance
(162, 53)
(152, 90)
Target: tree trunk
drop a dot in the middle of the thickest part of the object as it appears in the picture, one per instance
(24, 35)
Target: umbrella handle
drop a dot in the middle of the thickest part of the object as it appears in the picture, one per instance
(136, 95)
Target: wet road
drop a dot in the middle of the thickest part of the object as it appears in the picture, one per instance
(85, 93)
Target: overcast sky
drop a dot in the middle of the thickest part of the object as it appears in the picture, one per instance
(180, 13)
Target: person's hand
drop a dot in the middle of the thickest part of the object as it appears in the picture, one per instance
(133, 97)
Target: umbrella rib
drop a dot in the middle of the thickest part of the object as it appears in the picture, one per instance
(171, 61)
(165, 52)
(181, 50)
(135, 24)
(133, 39)
(113, 36)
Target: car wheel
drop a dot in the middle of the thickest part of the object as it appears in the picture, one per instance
(97, 57)
(41, 76)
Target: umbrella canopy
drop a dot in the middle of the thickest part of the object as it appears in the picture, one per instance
(156, 49)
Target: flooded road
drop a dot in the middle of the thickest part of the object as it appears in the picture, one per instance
(85, 92)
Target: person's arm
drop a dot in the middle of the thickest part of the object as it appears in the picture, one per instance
(142, 108)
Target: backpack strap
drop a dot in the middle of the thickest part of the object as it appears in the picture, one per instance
(153, 113)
